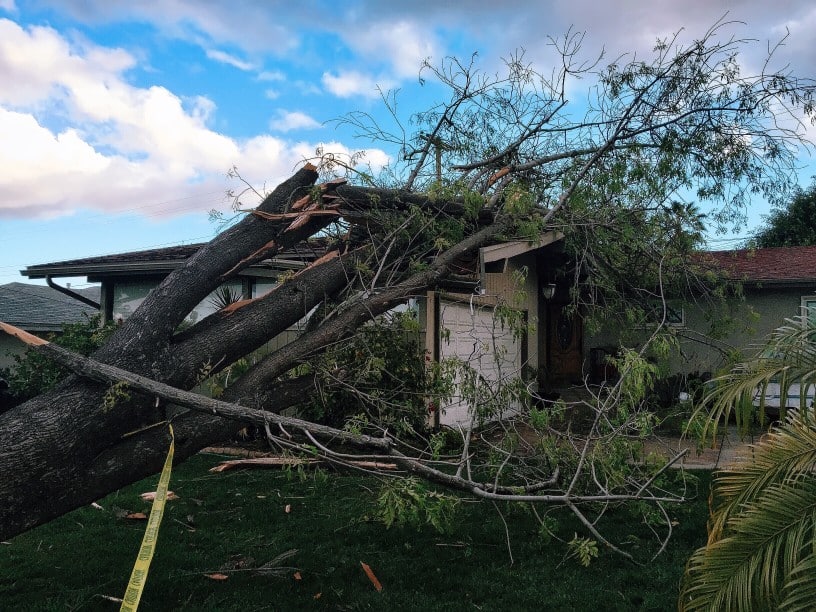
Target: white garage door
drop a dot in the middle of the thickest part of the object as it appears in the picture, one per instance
(469, 333)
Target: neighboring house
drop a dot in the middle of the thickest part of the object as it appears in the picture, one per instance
(127, 278)
(40, 310)
(777, 284)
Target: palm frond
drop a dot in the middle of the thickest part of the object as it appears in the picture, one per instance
(757, 559)
(785, 453)
(761, 550)
(800, 589)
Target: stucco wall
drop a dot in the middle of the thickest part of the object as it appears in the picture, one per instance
(706, 348)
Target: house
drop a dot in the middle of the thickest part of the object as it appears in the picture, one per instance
(40, 310)
(460, 318)
(461, 314)
(776, 284)
(127, 278)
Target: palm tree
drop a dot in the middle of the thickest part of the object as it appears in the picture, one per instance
(761, 550)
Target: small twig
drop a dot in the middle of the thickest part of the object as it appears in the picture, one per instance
(506, 532)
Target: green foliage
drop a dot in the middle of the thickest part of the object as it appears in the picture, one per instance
(33, 374)
(384, 378)
(583, 549)
(215, 384)
(637, 377)
(793, 224)
(760, 552)
(408, 502)
(225, 296)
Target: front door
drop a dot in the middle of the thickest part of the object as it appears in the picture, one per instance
(565, 339)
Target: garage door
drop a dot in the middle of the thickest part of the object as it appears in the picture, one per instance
(469, 333)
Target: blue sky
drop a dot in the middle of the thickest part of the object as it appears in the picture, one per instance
(120, 120)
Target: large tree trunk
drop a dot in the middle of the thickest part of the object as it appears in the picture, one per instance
(63, 449)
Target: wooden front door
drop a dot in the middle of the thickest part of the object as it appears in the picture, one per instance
(564, 345)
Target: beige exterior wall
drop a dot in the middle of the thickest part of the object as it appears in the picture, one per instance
(501, 286)
(9, 346)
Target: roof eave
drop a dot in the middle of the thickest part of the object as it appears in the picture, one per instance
(111, 269)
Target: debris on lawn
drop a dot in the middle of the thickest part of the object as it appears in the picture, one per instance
(260, 462)
(240, 563)
(96, 506)
(371, 577)
(137, 516)
(151, 495)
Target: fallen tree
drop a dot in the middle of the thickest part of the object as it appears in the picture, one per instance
(502, 158)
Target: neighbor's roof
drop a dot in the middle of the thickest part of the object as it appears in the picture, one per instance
(777, 265)
(40, 308)
(160, 261)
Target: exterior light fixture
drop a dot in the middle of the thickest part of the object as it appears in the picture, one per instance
(548, 291)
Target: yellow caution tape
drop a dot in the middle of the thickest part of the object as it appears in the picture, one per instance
(139, 575)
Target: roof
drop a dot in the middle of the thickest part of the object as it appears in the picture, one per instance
(777, 265)
(40, 308)
(162, 261)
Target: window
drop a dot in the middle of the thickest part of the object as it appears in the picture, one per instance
(809, 309)
(675, 315)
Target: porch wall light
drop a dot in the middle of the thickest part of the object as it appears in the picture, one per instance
(548, 291)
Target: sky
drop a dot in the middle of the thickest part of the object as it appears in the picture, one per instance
(120, 120)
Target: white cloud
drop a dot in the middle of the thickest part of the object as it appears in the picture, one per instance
(271, 75)
(125, 144)
(402, 43)
(292, 120)
(8, 5)
(230, 60)
(346, 84)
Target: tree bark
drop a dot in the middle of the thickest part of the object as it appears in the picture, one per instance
(62, 450)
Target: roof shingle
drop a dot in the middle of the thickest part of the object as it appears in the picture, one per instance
(777, 264)
(39, 308)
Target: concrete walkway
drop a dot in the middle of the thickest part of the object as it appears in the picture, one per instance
(727, 449)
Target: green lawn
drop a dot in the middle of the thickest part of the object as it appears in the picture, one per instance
(238, 520)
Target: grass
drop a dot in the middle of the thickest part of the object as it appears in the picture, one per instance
(238, 521)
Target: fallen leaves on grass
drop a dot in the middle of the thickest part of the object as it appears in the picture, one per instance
(137, 516)
(216, 576)
(371, 576)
